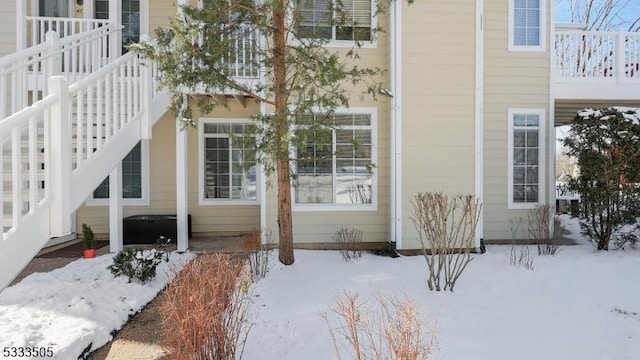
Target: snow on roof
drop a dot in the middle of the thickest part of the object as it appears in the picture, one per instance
(629, 113)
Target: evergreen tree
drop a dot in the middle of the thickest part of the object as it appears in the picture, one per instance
(606, 143)
(301, 76)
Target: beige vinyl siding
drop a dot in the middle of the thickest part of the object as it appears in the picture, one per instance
(511, 80)
(438, 102)
(160, 11)
(7, 27)
(162, 153)
(319, 226)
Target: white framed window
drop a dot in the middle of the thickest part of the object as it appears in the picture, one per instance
(338, 172)
(526, 158)
(135, 179)
(314, 20)
(226, 175)
(527, 25)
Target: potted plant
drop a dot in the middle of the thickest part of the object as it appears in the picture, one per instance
(87, 240)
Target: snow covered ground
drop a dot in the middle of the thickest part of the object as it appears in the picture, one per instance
(67, 309)
(580, 304)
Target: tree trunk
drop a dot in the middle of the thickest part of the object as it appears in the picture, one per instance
(284, 213)
(282, 124)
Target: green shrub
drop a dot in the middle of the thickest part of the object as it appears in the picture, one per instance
(88, 236)
(137, 264)
(606, 143)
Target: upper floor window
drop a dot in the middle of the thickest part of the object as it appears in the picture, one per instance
(526, 25)
(318, 18)
(526, 157)
(337, 169)
(130, 19)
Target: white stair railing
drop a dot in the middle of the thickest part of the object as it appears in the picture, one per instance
(55, 152)
(24, 74)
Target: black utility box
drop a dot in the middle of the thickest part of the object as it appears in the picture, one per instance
(146, 229)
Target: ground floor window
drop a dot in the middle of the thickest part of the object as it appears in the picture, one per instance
(134, 176)
(228, 170)
(526, 157)
(337, 168)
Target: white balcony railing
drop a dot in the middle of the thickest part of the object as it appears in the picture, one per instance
(242, 58)
(597, 55)
(38, 26)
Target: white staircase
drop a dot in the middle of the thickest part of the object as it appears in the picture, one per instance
(54, 152)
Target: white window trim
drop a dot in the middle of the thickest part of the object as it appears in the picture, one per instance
(543, 30)
(373, 206)
(542, 163)
(370, 44)
(145, 200)
(201, 198)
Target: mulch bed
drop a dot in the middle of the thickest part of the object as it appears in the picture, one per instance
(73, 251)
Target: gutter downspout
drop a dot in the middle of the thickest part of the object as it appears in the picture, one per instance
(479, 124)
(552, 141)
(395, 44)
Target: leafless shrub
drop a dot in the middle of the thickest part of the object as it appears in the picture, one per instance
(541, 227)
(446, 230)
(519, 254)
(204, 310)
(258, 253)
(350, 243)
(393, 331)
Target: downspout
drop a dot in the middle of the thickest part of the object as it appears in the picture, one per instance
(552, 119)
(395, 44)
(479, 122)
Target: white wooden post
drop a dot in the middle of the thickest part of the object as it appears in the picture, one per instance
(115, 17)
(620, 57)
(115, 209)
(21, 24)
(147, 93)
(59, 154)
(88, 10)
(52, 67)
(181, 188)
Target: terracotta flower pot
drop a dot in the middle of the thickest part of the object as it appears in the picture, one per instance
(89, 253)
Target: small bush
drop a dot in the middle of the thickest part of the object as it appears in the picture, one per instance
(137, 264)
(393, 331)
(88, 236)
(204, 310)
(163, 243)
(350, 243)
(542, 227)
(446, 229)
(519, 254)
(258, 253)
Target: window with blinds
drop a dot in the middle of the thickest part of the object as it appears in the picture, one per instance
(318, 19)
(526, 157)
(526, 22)
(337, 168)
